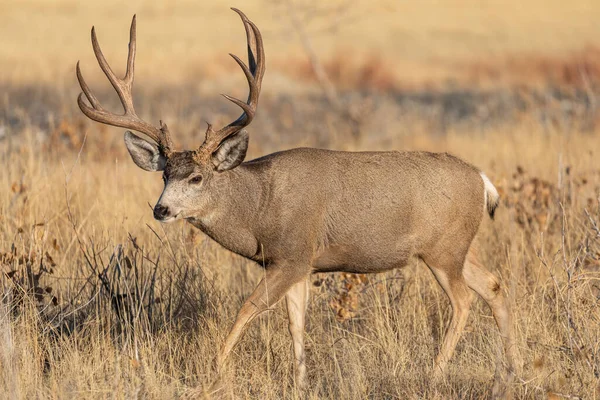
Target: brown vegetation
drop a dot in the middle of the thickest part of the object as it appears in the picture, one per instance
(99, 300)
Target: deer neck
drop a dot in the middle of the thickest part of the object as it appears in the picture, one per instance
(231, 218)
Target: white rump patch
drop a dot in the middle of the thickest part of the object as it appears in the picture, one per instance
(491, 196)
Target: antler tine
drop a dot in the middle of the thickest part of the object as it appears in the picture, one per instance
(254, 75)
(123, 87)
(131, 52)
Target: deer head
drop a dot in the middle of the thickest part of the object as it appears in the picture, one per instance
(188, 175)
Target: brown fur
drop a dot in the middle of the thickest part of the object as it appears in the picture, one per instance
(308, 210)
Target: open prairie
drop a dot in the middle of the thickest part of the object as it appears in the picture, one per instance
(99, 300)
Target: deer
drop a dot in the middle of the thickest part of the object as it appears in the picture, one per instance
(307, 210)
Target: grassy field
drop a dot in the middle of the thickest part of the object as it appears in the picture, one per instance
(187, 41)
(101, 301)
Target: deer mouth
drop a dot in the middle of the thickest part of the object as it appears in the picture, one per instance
(171, 218)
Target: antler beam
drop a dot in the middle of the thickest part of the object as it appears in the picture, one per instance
(254, 74)
(123, 87)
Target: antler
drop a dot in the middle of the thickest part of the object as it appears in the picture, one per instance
(123, 88)
(254, 75)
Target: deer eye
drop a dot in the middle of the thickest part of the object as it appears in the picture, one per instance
(195, 180)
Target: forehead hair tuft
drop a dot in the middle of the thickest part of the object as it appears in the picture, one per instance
(180, 165)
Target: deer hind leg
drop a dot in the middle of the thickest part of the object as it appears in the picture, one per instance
(297, 302)
(460, 298)
(487, 286)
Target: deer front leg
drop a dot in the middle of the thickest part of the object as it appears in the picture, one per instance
(277, 281)
(297, 302)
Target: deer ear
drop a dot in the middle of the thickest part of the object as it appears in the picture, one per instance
(145, 154)
(231, 152)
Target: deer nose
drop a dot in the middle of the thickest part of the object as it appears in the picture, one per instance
(160, 211)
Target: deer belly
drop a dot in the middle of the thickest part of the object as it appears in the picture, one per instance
(360, 260)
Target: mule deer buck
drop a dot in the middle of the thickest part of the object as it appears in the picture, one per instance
(308, 210)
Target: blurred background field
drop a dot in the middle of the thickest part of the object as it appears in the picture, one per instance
(425, 42)
(101, 301)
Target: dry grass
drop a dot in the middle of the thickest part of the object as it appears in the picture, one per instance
(411, 42)
(101, 301)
